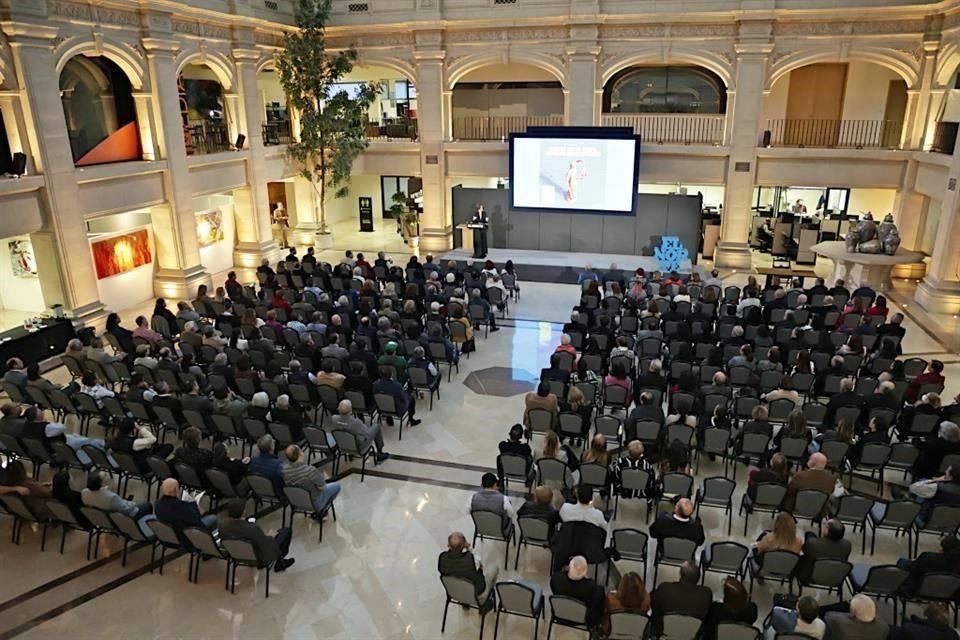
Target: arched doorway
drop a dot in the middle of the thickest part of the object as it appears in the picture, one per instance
(203, 110)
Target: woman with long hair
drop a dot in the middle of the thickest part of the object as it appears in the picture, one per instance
(630, 596)
(735, 607)
(597, 452)
(783, 537)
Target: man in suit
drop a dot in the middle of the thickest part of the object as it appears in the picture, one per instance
(860, 624)
(684, 597)
(815, 476)
(480, 217)
(936, 625)
(541, 507)
(404, 403)
(830, 544)
(458, 561)
(718, 387)
(575, 584)
(846, 398)
(270, 551)
(171, 510)
(679, 524)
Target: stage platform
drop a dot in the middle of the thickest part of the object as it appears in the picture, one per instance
(560, 267)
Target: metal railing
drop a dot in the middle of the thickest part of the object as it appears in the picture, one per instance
(395, 130)
(277, 133)
(858, 134)
(206, 137)
(497, 128)
(670, 128)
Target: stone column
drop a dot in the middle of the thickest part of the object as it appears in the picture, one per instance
(179, 270)
(909, 210)
(63, 252)
(919, 102)
(145, 124)
(582, 96)
(302, 210)
(940, 290)
(436, 225)
(252, 205)
(733, 249)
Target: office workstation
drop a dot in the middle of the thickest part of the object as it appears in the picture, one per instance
(788, 221)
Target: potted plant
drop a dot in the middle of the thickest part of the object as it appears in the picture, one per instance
(408, 219)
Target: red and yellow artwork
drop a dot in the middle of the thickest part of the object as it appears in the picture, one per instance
(121, 253)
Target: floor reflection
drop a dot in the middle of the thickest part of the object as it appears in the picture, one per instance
(532, 344)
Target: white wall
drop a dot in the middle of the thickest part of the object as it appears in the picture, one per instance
(473, 182)
(218, 256)
(866, 92)
(16, 293)
(340, 209)
(879, 201)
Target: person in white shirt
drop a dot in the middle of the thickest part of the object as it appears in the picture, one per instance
(90, 386)
(583, 511)
(714, 280)
(805, 619)
(144, 357)
(749, 300)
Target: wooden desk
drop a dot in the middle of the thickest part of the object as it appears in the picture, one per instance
(769, 272)
(466, 237)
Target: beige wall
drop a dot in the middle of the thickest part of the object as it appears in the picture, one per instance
(879, 201)
(340, 209)
(775, 102)
(507, 102)
(508, 73)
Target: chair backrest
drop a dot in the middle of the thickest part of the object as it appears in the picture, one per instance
(829, 572)
(299, 498)
(737, 631)
(62, 512)
(682, 432)
(516, 597)
(489, 524)
(634, 479)
(569, 609)
(203, 541)
(938, 586)
(755, 444)
(781, 409)
(676, 549)
(513, 465)
(460, 590)
(128, 526)
(876, 454)
(165, 533)
(885, 579)
(386, 404)
(809, 503)
(854, 508)
(900, 514)
(680, 627)
(945, 518)
(718, 489)
(779, 563)
(534, 529)
(835, 451)
(615, 395)
(609, 426)
(241, 551)
(551, 470)
(630, 543)
(680, 484)
(541, 420)
(793, 448)
(716, 440)
(262, 486)
(727, 556)
(903, 455)
(625, 625)
(593, 474)
(769, 495)
(648, 431)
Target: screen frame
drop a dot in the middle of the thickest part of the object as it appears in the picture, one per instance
(583, 133)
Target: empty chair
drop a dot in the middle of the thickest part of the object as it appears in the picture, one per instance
(724, 557)
(854, 510)
(778, 566)
(769, 498)
(673, 552)
(899, 515)
(810, 504)
(300, 501)
(717, 493)
(518, 598)
(625, 625)
(943, 520)
(737, 631)
(829, 574)
(533, 531)
(631, 545)
(566, 612)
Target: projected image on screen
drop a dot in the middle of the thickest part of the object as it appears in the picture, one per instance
(573, 173)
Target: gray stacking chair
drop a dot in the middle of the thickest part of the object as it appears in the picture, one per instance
(566, 612)
(461, 591)
(516, 598)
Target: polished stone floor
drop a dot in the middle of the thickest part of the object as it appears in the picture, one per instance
(374, 575)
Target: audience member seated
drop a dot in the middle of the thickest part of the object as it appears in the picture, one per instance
(630, 596)
(932, 375)
(266, 463)
(541, 507)
(685, 597)
(171, 508)
(634, 458)
(804, 619)
(541, 399)
(138, 441)
(775, 472)
(405, 403)
(830, 545)
(36, 428)
(574, 583)
(489, 498)
(935, 449)
(583, 510)
(297, 473)
(97, 495)
(365, 433)
(815, 476)
(861, 623)
(34, 493)
(736, 606)
(679, 524)
(935, 625)
(271, 551)
(192, 454)
(458, 561)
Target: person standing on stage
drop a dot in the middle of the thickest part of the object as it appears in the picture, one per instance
(480, 217)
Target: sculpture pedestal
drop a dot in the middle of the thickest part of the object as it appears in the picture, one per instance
(864, 269)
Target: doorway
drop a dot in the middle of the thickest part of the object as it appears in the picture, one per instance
(390, 185)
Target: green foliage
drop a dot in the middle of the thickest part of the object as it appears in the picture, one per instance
(332, 125)
(407, 218)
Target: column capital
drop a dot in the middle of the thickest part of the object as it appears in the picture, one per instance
(161, 46)
(431, 55)
(245, 54)
(753, 49)
(30, 31)
(931, 47)
(583, 52)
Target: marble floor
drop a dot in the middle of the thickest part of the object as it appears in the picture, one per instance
(374, 574)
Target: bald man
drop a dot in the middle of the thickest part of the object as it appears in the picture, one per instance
(860, 624)
(458, 560)
(679, 524)
(177, 513)
(815, 476)
(573, 582)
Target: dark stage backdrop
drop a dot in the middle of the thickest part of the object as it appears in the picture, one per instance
(656, 215)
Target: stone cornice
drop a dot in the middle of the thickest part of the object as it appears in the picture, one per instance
(161, 45)
(427, 56)
(29, 30)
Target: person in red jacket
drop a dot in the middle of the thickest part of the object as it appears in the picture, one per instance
(932, 375)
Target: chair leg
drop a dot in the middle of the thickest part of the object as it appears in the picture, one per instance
(496, 624)
(446, 605)
(63, 539)
(267, 587)
(483, 619)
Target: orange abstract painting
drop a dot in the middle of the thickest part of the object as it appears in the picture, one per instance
(121, 254)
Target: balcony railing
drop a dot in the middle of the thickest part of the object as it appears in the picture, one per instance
(277, 133)
(393, 130)
(207, 137)
(497, 128)
(670, 128)
(857, 134)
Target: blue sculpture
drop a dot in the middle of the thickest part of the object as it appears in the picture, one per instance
(671, 253)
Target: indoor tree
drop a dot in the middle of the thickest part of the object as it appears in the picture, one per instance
(332, 122)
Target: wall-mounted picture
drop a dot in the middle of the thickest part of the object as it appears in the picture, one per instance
(22, 260)
(209, 227)
(121, 253)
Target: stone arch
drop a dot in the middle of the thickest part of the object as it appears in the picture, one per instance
(120, 53)
(401, 66)
(90, 70)
(217, 62)
(947, 63)
(902, 64)
(462, 66)
(654, 56)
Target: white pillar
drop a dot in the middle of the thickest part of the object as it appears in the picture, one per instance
(62, 248)
(174, 223)
(581, 103)
(436, 226)
(733, 250)
(940, 290)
